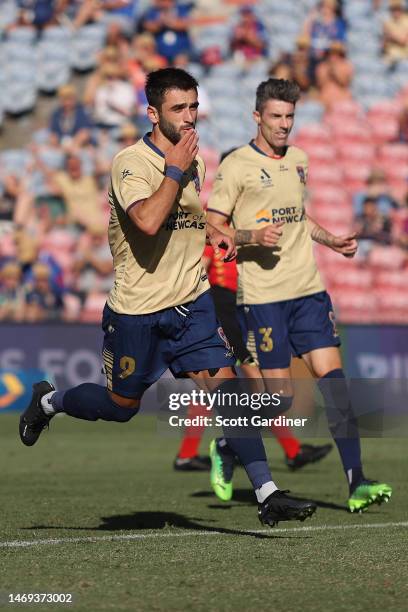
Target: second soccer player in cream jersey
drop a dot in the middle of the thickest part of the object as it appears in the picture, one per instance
(284, 309)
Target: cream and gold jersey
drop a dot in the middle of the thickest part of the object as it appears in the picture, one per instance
(154, 272)
(253, 189)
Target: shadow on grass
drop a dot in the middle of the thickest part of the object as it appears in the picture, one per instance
(246, 496)
(157, 520)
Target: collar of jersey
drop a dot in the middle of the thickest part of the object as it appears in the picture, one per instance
(149, 143)
(258, 150)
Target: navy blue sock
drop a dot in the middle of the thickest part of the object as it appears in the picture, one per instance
(244, 442)
(91, 402)
(342, 424)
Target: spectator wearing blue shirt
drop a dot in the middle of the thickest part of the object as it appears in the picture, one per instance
(70, 124)
(324, 27)
(168, 22)
(39, 12)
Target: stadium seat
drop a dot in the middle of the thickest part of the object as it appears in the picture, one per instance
(86, 44)
(355, 173)
(357, 152)
(314, 133)
(393, 153)
(385, 130)
(324, 174)
(390, 257)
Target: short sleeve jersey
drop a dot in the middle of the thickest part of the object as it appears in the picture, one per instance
(254, 189)
(164, 270)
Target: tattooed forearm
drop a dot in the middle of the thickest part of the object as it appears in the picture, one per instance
(318, 233)
(244, 237)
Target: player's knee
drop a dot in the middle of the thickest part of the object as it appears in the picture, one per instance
(123, 408)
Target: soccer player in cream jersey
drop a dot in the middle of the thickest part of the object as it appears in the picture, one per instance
(160, 313)
(282, 303)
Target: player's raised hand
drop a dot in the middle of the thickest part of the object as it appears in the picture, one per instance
(269, 235)
(184, 152)
(345, 244)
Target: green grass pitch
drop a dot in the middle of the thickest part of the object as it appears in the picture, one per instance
(163, 542)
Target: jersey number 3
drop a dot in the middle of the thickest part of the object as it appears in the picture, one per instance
(267, 343)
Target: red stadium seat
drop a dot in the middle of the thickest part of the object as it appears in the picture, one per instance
(384, 129)
(93, 307)
(331, 194)
(396, 152)
(321, 173)
(313, 133)
(355, 174)
(323, 212)
(319, 151)
(358, 152)
(351, 131)
(354, 305)
(390, 257)
(384, 109)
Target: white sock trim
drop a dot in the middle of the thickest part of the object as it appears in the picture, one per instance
(46, 403)
(263, 492)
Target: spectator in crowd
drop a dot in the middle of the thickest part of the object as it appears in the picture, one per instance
(93, 269)
(143, 58)
(70, 124)
(395, 33)
(169, 24)
(372, 227)
(127, 135)
(334, 75)
(115, 101)
(249, 38)
(28, 253)
(403, 122)
(294, 66)
(300, 61)
(116, 37)
(377, 189)
(12, 296)
(39, 13)
(42, 302)
(80, 193)
(122, 12)
(8, 199)
(323, 27)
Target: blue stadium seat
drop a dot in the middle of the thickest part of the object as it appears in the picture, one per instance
(86, 44)
(22, 35)
(21, 90)
(53, 66)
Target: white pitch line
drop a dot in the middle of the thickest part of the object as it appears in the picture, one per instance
(183, 534)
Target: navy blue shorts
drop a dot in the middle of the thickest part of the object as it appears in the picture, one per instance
(138, 349)
(274, 332)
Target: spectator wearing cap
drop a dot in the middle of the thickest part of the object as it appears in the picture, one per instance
(169, 23)
(377, 189)
(12, 296)
(323, 27)
(70, 124)
(249, 38)
(334, 75)
(143, 58)
(42, 302)
(395, 33)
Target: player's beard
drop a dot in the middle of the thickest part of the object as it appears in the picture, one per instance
(169, 130)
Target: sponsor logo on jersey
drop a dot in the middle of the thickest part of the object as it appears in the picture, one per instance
(266, 179)
(263, 216)
(184, 220)
(126, 173)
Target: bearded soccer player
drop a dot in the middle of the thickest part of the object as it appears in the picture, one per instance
(159, 313)
(283, 305)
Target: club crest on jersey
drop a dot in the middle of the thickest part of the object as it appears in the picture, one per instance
(196, 180)
(301, 173)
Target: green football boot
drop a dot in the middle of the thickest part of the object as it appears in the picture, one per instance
(367, 493)
(222, 469)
